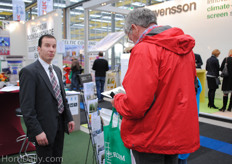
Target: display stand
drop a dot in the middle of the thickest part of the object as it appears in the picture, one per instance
(90, 107)
(90, 134)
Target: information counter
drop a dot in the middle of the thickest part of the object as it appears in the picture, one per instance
(10, 124)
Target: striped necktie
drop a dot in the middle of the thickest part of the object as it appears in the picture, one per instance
(56, 89)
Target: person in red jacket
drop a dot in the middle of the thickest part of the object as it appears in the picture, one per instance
(159, 109)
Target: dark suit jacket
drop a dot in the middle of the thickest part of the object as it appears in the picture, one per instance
(198, 60)
(38, 102)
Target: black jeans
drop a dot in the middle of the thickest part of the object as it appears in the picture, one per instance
(150, 158)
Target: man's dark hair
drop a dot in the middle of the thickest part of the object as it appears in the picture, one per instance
(100, 54)
(44, 36)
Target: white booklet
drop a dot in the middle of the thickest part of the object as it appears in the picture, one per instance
(114, 91)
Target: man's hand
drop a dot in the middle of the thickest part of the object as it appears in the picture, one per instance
(42, 139)
(71, 126)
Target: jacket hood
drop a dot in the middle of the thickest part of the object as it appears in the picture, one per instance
(170, 38)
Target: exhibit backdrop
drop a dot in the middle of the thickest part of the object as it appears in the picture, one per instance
(209, 22)
(50, 23)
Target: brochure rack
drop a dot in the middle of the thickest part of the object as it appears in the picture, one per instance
(93, 118)
(91, 141)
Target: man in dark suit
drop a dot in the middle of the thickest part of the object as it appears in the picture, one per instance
(198, 61)
(43, 103)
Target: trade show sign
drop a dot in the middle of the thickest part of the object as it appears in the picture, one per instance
(208, 22)
(18, 10)
(35, 29)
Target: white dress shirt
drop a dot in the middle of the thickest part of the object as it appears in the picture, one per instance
(46, 66)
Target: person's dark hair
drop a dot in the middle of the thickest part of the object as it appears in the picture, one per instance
(141, 16)
(100, 54)
(44, 36)
(75, 65)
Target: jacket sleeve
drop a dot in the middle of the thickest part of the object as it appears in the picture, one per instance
(217, 68)
(207, 67)
(27, 101)
(223, 64)
(140, 84)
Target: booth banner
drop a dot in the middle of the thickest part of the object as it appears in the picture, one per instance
(18, 10)
(44, 6)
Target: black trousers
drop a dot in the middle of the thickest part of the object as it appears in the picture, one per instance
(212, 85)
(150, 158)
(52, 153)
(211, 96)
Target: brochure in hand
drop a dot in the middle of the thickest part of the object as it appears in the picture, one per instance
(113, 92)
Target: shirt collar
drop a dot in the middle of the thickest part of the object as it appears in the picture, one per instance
(44, 64)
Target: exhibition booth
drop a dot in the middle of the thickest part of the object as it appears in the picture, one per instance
(200, 19)
(23, 39)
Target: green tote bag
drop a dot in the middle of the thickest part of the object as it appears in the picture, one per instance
(115, 151)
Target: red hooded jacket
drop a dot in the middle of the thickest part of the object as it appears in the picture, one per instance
(161, 68)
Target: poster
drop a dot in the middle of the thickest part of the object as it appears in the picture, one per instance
(4, 40)
(74, 48)
(110, 80)
(88, 89)
(73, 102)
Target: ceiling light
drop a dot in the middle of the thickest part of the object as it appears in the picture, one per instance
(6, 4)
(28, 1)
(75, 13)
(9, 10)
(95, 16)
(79, 8)
(59, 5)
(74, 0)
(80, 25)
(99, 20)
(106, 17)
